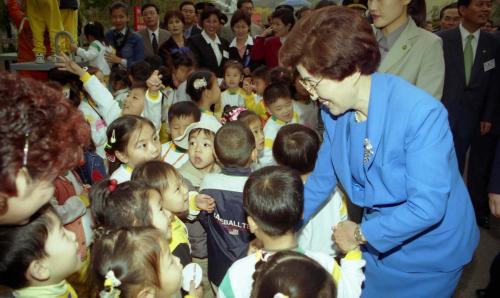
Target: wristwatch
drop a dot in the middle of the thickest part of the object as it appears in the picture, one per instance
(358, 235)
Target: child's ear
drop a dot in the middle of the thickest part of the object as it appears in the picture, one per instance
(38, 271)
(251, 223)
(121, 156)
(146, 293)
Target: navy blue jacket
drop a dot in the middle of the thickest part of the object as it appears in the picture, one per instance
(132, 50)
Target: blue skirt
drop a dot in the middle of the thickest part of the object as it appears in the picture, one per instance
(387, 282)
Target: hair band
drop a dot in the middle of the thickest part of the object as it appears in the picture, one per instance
(112, 185)
(110, 286)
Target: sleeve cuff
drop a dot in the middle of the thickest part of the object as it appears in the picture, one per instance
(353, 255)
(192, 201)
(85, 77)
(153, 96)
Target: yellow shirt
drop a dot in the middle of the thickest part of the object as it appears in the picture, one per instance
(60, 290)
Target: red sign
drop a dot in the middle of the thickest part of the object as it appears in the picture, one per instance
(138, 21)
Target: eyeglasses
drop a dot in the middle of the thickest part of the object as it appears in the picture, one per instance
(309, 84)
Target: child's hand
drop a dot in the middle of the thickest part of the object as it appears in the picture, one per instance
(69, 65)
(154, 82)
(195, 292)
(247, 85)
(73, 47)
(205, 202)
(343, 235)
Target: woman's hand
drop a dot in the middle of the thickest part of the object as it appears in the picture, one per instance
(267, 32)
(112, 58)
(69, 65)
(343, 235)
(494, 204)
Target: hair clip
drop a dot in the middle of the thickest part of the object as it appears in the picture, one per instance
(233, 115)
(200, 83)
(280, 295)
(112, 185)
(262, 255)
(112, 140)
(109, 156)
(26, 148)
(110, 286)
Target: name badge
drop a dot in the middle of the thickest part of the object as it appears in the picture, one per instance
(489, 65)
(225, 54)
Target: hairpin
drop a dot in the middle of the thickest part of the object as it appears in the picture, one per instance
(109, 156)
(112, 140)
(183, 50)
(280, 295)
(110, 286)
(112, 185)
(262, 255)
(200, 83)
(26, 148)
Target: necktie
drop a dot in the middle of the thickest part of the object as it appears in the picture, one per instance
(154, 43)
(468, 57)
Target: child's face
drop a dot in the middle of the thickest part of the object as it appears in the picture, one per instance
(180, 74)
(161, 218)
(258, 133)
(175, 196)
(177, 125)
(213, 94)
(134, 103)
(201, 150)
(170, 275)
(260, 85)
(61, 248)
(119, 18)
(118, 85)
(144, 145)
(232, 77)
(282, 109)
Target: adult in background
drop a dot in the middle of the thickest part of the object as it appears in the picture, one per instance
(188, 10)
(209, 50)
(449, 17)
(153, 36)
(389, 145)
(42, 138)
(471, 82)
(174, 21)
(128, 45)
(405, 47)
(227, 31)
(241, 45)
(268, 43)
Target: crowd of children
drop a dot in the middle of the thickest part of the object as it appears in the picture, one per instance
(178, 172)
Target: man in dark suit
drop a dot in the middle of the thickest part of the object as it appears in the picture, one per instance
(471, 94)
(152, 35)
(188, 10)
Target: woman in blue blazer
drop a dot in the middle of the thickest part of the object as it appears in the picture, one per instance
(389, 145)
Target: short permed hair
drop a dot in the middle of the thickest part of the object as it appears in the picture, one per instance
(274, 198)
(56, 132)
(332, 42)
(20, 245)
(296, 146)
(184, 109)
(241, 15)
(274, 92)
(285, 15)
(173, 14)
(234, 144)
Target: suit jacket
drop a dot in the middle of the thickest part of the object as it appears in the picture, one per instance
(418, 214)
(164, 35)
(417, 56)
(205, 56)
(133, 48)
(495, 173)
(266, 49)
(469, 104)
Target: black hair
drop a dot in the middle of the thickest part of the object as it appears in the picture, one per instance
(285, 6)
(117, 5)
(141, 71)
(208, 11)
(123, 207)
(196, 93)
(279, 275)
(241, 15)
(445, 8)
(241, 2)
(154, 61)
(296, 146)
(233, 64)
(285, 15)
(20, 245)
(260, 72)
(274, 197)
(465, 3)
(274, 92)
(119, 74)
(234, 144)
(184, 109)
(147, 5)
(184, 3)
(94, 29)
(119, 133)
(325, 3)
(182, 58)
(418, 12)
(173, 14)
(279, 75)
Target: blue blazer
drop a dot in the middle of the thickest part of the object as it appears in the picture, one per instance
(132, 50)
(417, 212)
